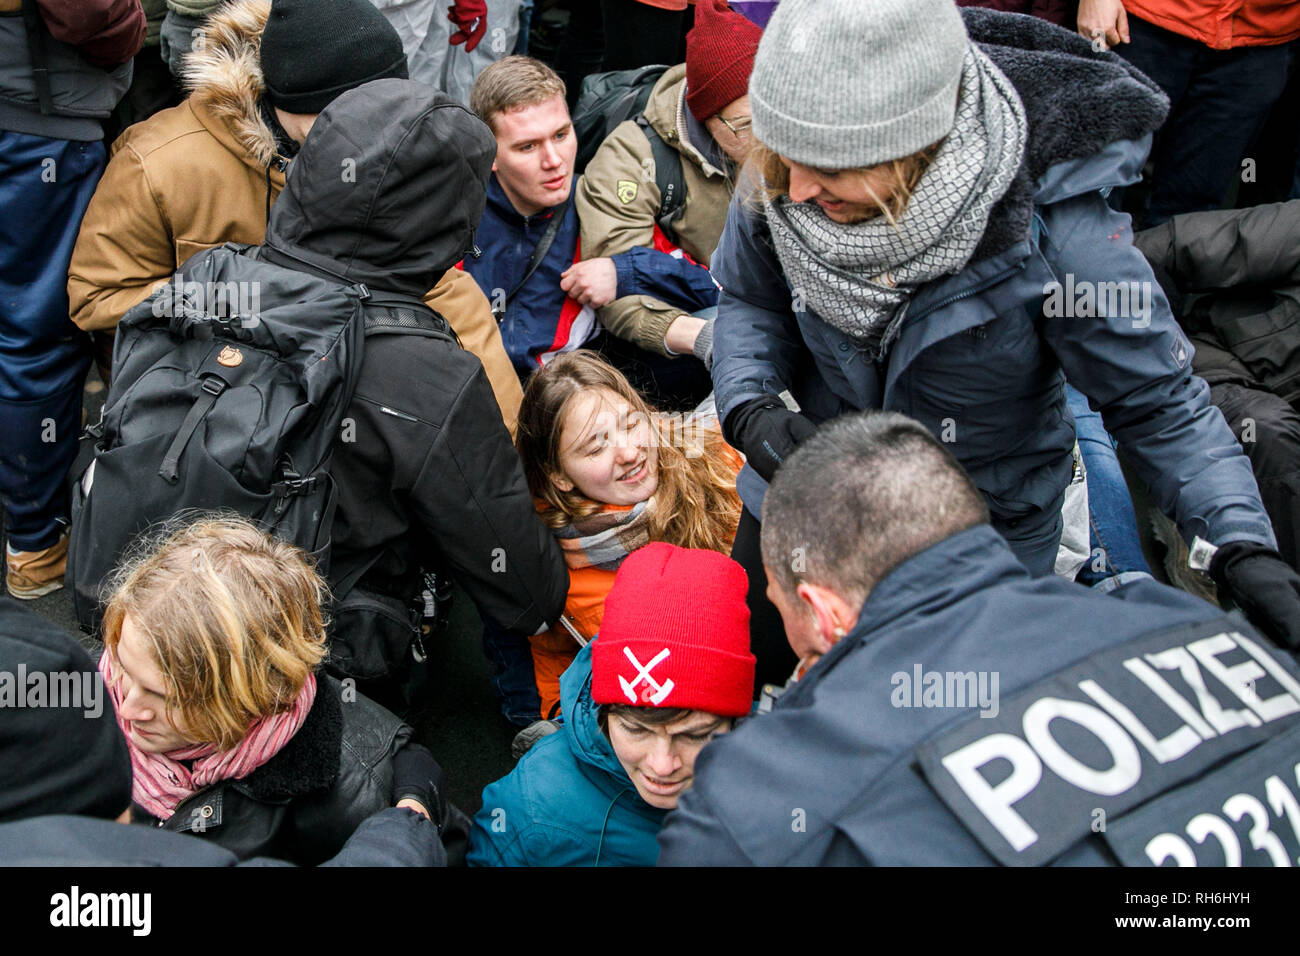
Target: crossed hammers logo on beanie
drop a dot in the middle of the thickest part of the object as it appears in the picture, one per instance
(659, 692)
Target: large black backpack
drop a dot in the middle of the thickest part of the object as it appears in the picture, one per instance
(608, 99)
(229, 389)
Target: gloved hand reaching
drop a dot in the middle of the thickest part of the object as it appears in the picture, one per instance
(1264, 586)
(767, 432)
(419, 777)
(471, 17)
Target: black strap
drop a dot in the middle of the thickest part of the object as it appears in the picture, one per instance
(36, 49)
(668, 177)
(535, 260)
(212, 388)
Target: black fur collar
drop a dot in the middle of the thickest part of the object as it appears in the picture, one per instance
(310, 761)
(1076, 102)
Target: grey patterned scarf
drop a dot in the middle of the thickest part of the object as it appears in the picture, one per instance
(860, 277)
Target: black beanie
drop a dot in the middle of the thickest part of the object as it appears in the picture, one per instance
(313, 50)
(61, 750)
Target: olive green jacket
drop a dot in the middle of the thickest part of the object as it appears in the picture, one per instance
(617, 202)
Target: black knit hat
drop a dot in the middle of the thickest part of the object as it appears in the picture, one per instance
(313, 50)
(61, 750)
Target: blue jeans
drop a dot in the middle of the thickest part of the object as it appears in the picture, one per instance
(512, 673)
(45, 187)
(1116, 551)
(1218, 100)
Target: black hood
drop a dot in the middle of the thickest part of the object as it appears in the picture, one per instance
(388, 188)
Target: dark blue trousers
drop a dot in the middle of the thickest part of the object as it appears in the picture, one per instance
(45, 187)
(1218, 99)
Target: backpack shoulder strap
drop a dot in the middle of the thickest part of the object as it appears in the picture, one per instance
(36, 48)
(668, 177)
(394, 313)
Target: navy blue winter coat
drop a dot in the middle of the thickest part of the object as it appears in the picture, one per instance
(541, 319)
(977, 360)
(830, 775)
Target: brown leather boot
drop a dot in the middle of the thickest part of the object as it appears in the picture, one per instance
(33, 574)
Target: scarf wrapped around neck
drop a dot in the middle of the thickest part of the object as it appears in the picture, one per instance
(604, 539)
(860, 277)
(162, 783)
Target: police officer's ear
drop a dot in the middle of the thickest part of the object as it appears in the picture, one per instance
(832, 615)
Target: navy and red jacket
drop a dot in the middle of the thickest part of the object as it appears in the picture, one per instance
(541, 320)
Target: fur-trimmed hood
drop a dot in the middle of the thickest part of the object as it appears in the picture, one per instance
(224, 74)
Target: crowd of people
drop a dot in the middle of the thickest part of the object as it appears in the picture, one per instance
(771, 377)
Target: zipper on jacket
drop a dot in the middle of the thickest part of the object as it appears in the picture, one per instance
(396, 414)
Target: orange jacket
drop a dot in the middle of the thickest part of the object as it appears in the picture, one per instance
(1223, 24)
(554, 650)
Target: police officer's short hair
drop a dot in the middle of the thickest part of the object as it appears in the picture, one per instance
(862, 495)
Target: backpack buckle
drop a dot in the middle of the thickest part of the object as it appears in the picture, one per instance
(289, 486)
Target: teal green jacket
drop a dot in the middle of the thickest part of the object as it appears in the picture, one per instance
(568, 802)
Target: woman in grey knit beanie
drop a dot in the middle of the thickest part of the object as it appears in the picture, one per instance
(924, 229)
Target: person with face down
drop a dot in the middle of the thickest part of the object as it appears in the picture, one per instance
(927, 232)
(66, 775)
(903, 604)
(209, 170)
(669, 671)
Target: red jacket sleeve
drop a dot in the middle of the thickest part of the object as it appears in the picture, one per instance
(106, 32)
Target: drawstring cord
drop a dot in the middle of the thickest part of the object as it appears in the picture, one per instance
(604, 823)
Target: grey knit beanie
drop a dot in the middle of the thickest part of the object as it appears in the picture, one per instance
(843, 84)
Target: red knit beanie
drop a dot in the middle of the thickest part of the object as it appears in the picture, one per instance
(719, 57)
(675, 634)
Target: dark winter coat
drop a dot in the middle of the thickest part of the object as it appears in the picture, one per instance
(976, 359)
(391, 837)
(569, 802)
(430, 476)
(88, 46)
(542, 320)
(1243, 266)
(830, 775)
(303, 803)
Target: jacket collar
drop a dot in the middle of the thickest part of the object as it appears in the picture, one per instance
(941, 575)
(310, 761)
(591, 749)
(501, 205)
(225, 78)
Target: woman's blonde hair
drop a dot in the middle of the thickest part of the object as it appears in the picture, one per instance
(773, 175)
(696, 505)
(234, 619)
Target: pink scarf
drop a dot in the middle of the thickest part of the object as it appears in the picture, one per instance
(162, 783)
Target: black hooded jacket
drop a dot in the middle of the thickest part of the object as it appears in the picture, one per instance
(388, 191)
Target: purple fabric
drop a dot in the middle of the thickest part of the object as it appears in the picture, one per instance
(758, 11)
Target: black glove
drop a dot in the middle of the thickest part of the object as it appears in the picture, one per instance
(766, 431)
(1264, 586)
(418, 776)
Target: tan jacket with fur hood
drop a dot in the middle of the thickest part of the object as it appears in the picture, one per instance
(616, 218)
(205, 172)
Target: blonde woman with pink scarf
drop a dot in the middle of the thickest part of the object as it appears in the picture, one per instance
(213, 638)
